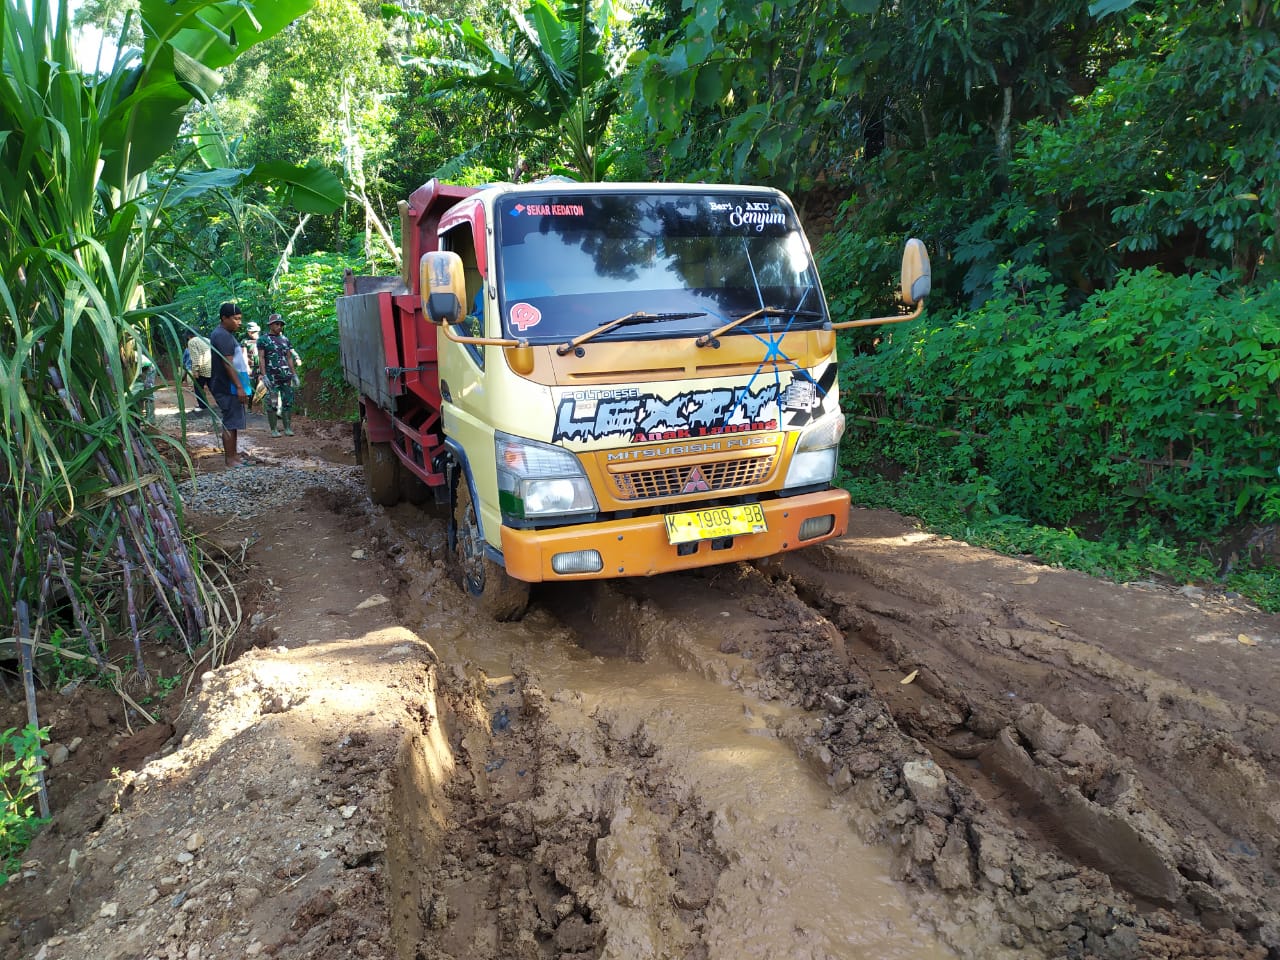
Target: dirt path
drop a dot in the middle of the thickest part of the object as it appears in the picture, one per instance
(895, 747)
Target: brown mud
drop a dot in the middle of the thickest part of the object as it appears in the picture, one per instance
(895, 746)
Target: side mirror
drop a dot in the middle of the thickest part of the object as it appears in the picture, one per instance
(917, 279)
(520, 359)
(442, 286)
(916, 272)
(443, 290)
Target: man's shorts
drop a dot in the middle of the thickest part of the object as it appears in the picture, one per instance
(232, 410)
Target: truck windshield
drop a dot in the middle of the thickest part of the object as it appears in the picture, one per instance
(571, 262)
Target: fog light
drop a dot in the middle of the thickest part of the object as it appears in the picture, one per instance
(817, 527)
(580, 561)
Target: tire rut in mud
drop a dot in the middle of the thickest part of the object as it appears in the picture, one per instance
(518, 837)
(1019, 810)
(1020, 814)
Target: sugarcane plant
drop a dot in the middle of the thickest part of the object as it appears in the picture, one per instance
(92, 535)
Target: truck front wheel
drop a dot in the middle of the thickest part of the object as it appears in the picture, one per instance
(495, 591)
(381, 472)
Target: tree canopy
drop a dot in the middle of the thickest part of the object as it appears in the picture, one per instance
(1085, 138)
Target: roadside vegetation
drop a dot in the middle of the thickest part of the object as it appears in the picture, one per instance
(1108, 437)
(23, 808)
(1095, 382)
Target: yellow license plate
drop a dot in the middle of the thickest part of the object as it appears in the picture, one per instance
(715, 522)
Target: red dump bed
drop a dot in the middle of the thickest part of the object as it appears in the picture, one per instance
(388, 347)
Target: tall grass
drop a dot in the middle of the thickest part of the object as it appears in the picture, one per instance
(89, 522)
(91, 531)
(92, 539)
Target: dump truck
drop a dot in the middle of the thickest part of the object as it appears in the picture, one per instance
(602, 380)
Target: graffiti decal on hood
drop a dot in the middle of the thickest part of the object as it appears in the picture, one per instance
(645, 418)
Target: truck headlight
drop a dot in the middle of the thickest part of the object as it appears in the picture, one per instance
(814, 460)
(540, 480)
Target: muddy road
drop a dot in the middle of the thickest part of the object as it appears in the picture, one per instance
(894, 746)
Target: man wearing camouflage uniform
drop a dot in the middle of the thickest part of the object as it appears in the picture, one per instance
(252, 331)
(275, 356)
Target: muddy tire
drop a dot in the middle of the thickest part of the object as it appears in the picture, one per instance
(494, 591)
(770, 567)
(413, 490)
(381, 472)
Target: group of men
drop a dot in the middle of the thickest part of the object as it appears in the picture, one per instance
(232, 373)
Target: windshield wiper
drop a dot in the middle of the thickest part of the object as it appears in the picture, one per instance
(711, 338)
(624, 321)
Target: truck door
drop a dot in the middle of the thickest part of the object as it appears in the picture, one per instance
(467, 419)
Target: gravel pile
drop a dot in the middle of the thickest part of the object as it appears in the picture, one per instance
(254, 489)
(168, 421)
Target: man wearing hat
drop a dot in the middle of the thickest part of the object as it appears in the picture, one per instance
(275, 361)
(251, 332)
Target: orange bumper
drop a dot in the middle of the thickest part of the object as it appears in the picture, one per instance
(638, 547)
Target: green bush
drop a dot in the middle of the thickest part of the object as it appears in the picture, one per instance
(196, 303)
(21, 758)
(1150, 407)
(305, 298)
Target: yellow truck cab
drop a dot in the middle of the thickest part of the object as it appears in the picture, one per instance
(629, 379)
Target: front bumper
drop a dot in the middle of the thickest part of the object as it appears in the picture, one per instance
(638, 547)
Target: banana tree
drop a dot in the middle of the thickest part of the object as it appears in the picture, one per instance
(91, 529)
(554, 71)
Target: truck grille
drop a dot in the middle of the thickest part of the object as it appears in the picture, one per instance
(677, 480)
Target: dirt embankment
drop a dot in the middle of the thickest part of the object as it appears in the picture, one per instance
(897, 746)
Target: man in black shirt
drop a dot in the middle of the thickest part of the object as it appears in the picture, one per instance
(229, 391)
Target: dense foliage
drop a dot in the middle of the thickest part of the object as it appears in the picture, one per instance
(1102, 348)
(552, 68)
(304, 296)
(1115, 414)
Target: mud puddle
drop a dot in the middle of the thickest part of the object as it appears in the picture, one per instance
(620, 775)
(882, 760)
